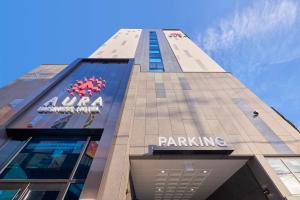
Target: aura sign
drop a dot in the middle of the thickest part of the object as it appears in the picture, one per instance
(79, 99)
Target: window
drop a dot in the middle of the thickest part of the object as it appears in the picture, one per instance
(154, 51)
(49, 169)
(155, 60)
(45, 159)
(86, 160)
(8, 194)
(74, 191)
(42, 195)
(288, 170)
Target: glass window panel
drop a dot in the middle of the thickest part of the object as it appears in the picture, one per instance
(278, 166)
(156, 66)
(155, 42)
(8, 194)
(156, 70)
(153, 45)
(41, 195)
(155, 60)
(155, 55)
(154, 51)
(155, 48)
(74, 191)
(292, 163)
(45, 159)
(291, 183)
(86, 160)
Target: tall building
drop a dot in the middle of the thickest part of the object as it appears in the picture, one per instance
(148, 116)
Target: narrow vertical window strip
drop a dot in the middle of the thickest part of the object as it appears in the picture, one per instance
(155, 60)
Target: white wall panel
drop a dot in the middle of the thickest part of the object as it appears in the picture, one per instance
(190, 57)
(123, 44)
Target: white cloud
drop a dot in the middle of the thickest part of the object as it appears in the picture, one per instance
(260, 44)
(262, 17)
(252, 38)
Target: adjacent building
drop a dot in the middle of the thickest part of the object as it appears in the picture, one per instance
(148, 116)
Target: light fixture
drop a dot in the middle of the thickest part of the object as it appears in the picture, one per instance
(204, 171)
(192, 189)
(159, 189)
(163, 171)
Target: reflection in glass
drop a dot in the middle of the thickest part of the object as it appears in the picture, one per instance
(42, 195)
(74, 191)
(291, 183)
(278, 166)
(8, 194)
(86, 161)
(45, 159)
(293, 164)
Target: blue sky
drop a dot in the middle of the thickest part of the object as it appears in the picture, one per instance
(258, 41)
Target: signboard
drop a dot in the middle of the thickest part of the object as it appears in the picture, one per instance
(78, 99)
(191, 145)
(176, 35)
(192, 141)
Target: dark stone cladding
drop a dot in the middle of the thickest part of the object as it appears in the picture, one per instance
(168, 57)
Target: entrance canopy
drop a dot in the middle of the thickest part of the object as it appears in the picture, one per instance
(164, 179)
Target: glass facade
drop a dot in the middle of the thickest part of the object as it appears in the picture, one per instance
(288, 170)
(8, 194)
(61, 164)
(155, 60)
(42, 195)
(74, 191)
(45, 159)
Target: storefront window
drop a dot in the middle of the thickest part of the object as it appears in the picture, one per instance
(288, 171)
(42, 195)
(86, 160)
(45, 159)
(74, 191)
(8, 194)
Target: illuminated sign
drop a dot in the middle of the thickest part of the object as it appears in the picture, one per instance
(79, 100)
(192, 141)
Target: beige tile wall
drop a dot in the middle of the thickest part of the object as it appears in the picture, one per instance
(206, 109)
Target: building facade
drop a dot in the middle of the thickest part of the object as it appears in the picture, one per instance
(148, 116)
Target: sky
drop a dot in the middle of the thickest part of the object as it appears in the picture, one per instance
(258, 41)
